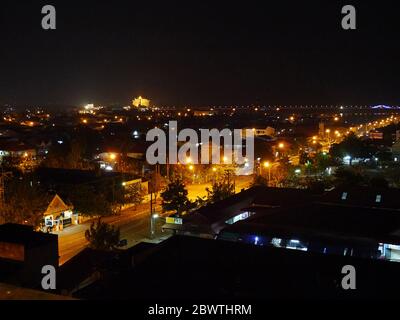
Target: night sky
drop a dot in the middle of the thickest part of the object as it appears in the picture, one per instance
(198, 53)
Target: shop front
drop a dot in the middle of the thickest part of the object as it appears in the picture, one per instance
(58, 216)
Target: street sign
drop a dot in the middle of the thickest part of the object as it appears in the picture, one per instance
(172, 220)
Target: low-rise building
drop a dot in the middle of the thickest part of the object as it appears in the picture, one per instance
(23, 253)
(59, 215)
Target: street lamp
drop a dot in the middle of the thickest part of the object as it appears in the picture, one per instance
(268, 166)
(328, 131)
(113, 156)
(153, 218)
(191, 168)
(214, 169)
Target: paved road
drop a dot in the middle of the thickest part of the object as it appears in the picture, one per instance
(134, 226)
(133, 223)
(199, 190)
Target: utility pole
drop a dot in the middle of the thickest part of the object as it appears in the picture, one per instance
(167, 168)
(2, 197)
(3, 177)
(151, 215)
(153, 186)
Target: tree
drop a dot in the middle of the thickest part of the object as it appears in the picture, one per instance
(322, 161)
(87, 201)
(25, 202)
(220, 191)
(379, 182)
(102, 236)
(134, 194)
(348, 177)
(317, 186)
(175, 197)
(74, 150)
(352, 147)
(283, 172)
(259, 181)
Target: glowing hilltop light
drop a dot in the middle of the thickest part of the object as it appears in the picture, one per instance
(141, 103)
(90, 108)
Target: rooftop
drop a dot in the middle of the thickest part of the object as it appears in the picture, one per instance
(327, 221)
(21, 234)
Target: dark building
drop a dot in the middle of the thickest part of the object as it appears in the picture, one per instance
(290, 244)
(327, 229)
(183, 268)
(23, 254)
(208, 221)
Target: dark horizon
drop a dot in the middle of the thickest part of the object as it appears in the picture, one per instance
(199, 54)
